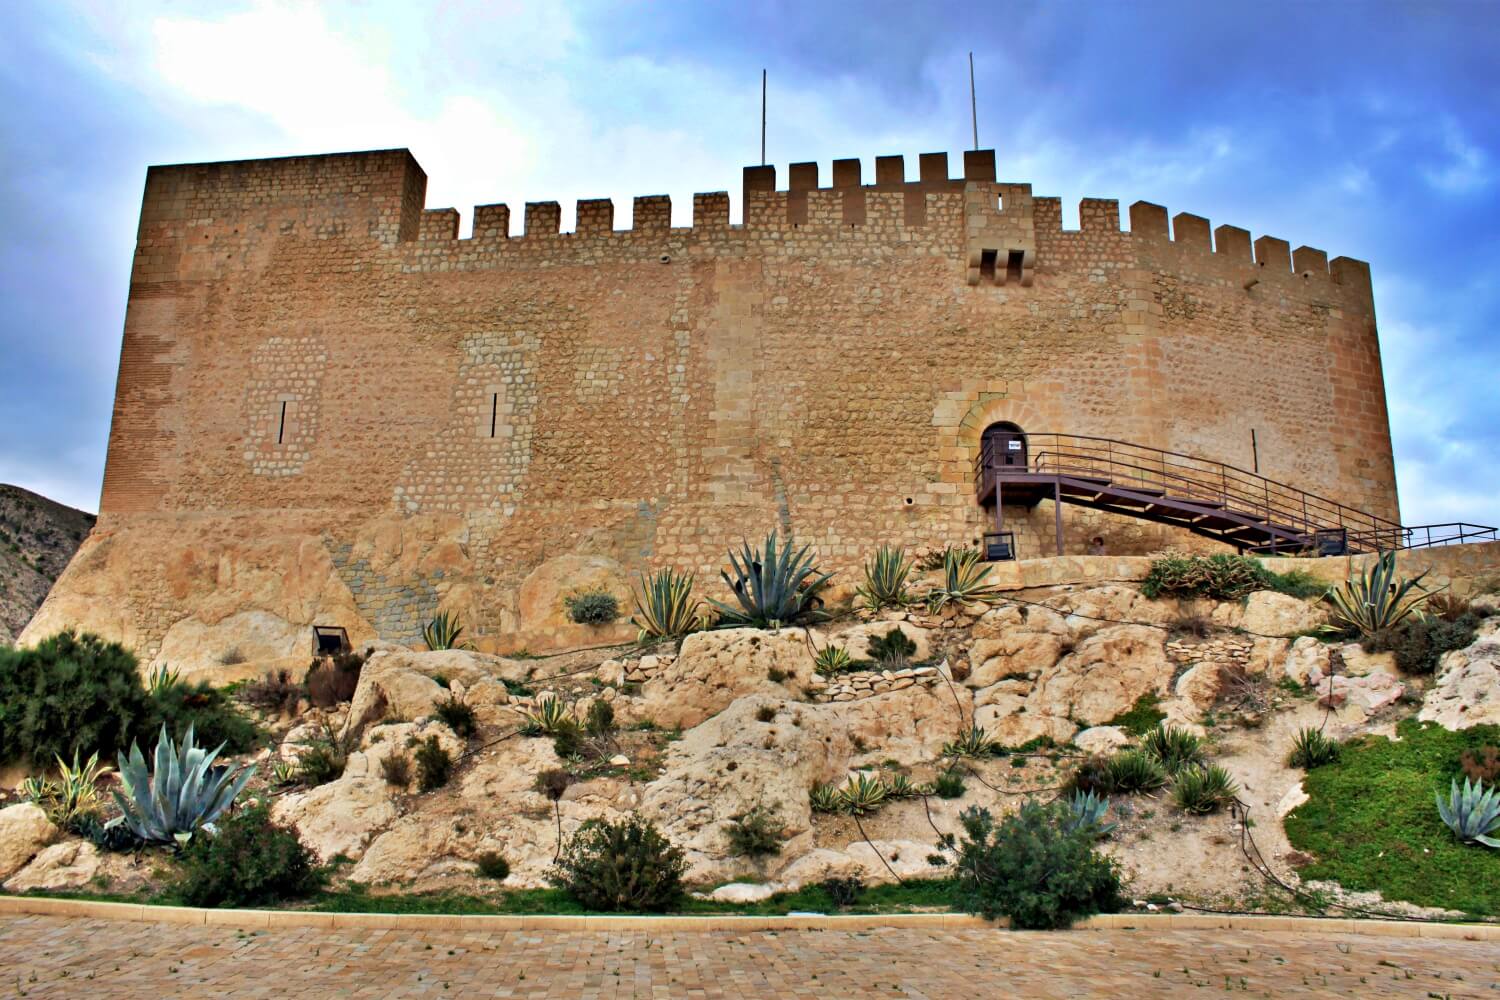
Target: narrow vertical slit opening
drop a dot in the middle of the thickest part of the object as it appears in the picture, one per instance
(494, 411)
(281, 427)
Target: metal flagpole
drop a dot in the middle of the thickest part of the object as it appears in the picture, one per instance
(762, 117)
(973, 104)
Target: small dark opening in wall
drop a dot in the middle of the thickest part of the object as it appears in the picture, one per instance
(987, 263)
(909, 501)
(1014, 264)
(494, 411)
(281, 427)
(999, 202)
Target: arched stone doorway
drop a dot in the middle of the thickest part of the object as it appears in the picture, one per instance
(1003, 444)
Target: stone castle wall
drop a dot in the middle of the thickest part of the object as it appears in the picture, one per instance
(319, 379)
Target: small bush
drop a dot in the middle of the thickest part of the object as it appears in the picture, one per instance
(1135, 771)
(1173, 748)
(567, 742)
(457, 716)
(593, 607)
(71, 693)
(231, 657)
(833, 660)
(627, 865)
(756, 833)
(1093, 775)
(1298, 583)
(843, 892)
(1203, 790)
(1481, 765)
(600, 720)
(1030, 869)
(1420, 642)
(434, 765)
(492, 864)
(948, 784)
(765, 713)
(396, 769)
(893, 650)
(1312, 749)
(331, 680)
(252, 861)
(554, 782)
(1218, 577)
(273, 693)
(1142, 717)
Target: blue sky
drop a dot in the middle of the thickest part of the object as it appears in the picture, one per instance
(1370, 130)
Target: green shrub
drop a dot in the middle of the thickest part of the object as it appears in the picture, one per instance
(1419, 642)
(1312, 749)
(1218, 577)
(434, 765)
(756, 833)
(252, 861)
(592, 607)
(71, 693)
(1173, 748)
(273, 693)
(600, 720)
(209, 710)
(773, 587)
(1298, 583)
(949, 784)
(1202, 790)
(457, 715)
(1135, 771)
(1031, 869)
(893, 650)
(325, 755)
(1481, 764)
(1142, 717)
(396, 769)
(843, 892)
(492, 864)
(626, 865)
(1093, 775)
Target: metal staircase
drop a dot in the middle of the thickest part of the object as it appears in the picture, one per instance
(1240, 508)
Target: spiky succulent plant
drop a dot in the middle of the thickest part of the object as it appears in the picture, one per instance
(833, 660)
(885, 578)
(1086, 814)
(183, 792)
(443, 632)
(825, 799)
(1376, 599)
(550, 718)
(965, 581)
(972, 742)
(1472, 812)
(774, 587)
(862, 794)
(664, 608)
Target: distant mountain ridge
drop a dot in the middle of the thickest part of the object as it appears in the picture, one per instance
(37, 538)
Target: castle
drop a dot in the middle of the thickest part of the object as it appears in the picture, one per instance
(331, 409)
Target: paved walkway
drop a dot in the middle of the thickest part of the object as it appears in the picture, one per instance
(96, 959)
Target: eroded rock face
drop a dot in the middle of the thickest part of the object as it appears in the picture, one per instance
(1101, 739)
(1113, 603)
(856, 640)
(24, 831)
(714, 669)
(1306, 658)
(1104, 676)
(1467, 692)
(734, 762)
(399, 683)
(198, 649)
(1268, 613)
(1016, 642)
(343, 816)
(909, 726)
(542, 608)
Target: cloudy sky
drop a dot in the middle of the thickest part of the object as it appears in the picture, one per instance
(1371, 130)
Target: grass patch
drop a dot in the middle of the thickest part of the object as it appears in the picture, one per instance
(1373, 824)
(914, 896)
(1142, 717)
(1299, 583)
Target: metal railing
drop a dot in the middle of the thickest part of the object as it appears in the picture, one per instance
(1424, 536)
(1283, 510)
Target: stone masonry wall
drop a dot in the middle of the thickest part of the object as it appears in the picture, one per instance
(310, 354)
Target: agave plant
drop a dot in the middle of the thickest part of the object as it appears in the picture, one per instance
(1134, 771)
(862, 794)
(973, 742)
(1312, 749)
(774, 588)
(833, 660)
(965, 581)
(1203, 790)
(885, 578)
(899, 786)
(550, 718)
(161, 679)
(1086, 815)
(1472, 813)
(665, 609)
(443, 632)
(825, 799)
(1375, 600)
(184, 793)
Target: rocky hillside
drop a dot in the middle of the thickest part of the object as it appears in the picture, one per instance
(37, 538)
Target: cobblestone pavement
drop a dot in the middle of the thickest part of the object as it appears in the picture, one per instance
(95, 959)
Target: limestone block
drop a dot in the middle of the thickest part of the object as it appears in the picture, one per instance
(544, 621)
(1268, 613)
(68, 865)
(1104, 676)
(716, 668)
(24, 831)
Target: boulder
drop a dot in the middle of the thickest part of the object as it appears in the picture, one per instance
(1467, 692)
(1017, 728)
(819, 865)
(542, 603)
(399, 683)
(1101, 739)
(906, 858)
(1199, 685)
(1307, 658)
(199, 650)
(714, 669)
(68, 865)
(856, 640)
(1294, 797)
(413, 848)
(1268, 613)
(1104, 676)
(745, 892)
(343, 816)
(1358, 663)
(909, 725)
(1099, 608)
(733, 762)
(24, 831)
